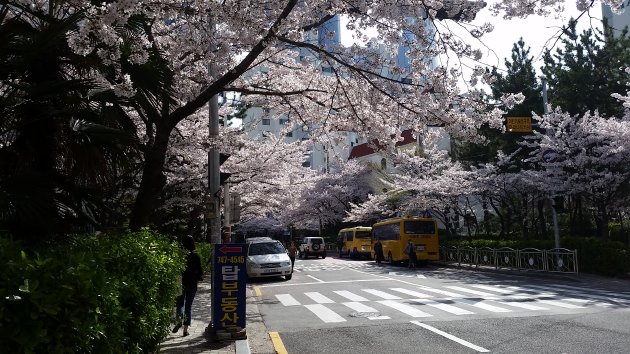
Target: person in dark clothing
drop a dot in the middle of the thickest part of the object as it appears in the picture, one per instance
(190, 277)
(378, 252)
(339, 245)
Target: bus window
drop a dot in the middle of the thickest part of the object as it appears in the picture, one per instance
(419, 227)
(349, 236)
(363, 234)
(387, 232)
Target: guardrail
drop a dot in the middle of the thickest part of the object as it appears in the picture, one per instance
(554, 260)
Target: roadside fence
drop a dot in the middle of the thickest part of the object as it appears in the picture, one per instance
(554, 260)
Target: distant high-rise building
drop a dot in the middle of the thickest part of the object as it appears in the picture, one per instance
(620, 20)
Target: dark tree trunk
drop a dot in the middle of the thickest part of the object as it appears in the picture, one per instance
(153, 180)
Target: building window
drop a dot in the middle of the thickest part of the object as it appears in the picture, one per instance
(306, 164)
(289, 134)
(266, 121)
(283, 121)
(327, 69)
(406, 80)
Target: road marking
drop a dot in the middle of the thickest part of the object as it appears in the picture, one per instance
(350, 296)
(411, 292)
(523, 305)
(438, 291)
(325, 314)
(277, 343)
(406, 309)
(451, 337)
(444, 307)
(474, 292)
(492, 288)
(287, 300)
(382, 294)
(421, 276)
(319, 298)
(257, 291)
(312, 277)
(326, 282)
(561, 304)
(483, 306)
(359, 307)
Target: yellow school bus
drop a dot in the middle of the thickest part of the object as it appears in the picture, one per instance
(357, 241)
(395, 233)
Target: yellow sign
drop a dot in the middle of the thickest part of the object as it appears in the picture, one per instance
(519, 124)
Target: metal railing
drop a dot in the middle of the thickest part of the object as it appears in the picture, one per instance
(533, 259)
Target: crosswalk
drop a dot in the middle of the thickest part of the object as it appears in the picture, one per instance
(420, 301)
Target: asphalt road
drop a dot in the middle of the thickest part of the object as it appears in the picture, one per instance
(347, 306)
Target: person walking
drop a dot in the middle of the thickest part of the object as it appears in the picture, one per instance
(378, 251)
(292, 252)
(339, 244)
(190, 277)
(410, 250)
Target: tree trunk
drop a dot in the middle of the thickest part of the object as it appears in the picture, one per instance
(153, 180)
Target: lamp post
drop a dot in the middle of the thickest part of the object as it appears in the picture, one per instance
(213, 218)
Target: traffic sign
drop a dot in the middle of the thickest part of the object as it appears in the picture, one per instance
(519, 124)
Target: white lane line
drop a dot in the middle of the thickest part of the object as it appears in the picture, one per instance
(350, 296)
(312, 277)
(523, 305)
(444, 307)
(382, 294)
(474, 292)
(492, 288)
(324, 313)
(319, 298)
(451, 337)
(483, 306)
(411, 292)
(561, 304)
(287, 300)
(406, 309)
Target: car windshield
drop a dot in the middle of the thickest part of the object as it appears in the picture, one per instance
(317, 241)
(256, 249)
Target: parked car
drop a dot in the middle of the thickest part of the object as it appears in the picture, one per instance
(312, 246)
(268, 258)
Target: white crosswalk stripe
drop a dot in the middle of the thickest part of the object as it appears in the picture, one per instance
(287, 300)
(319, 298)
(406, 309)
(470, 291)
(482, 305)
(382, 294)
(324, 313)
(350, 296)
(411, 292)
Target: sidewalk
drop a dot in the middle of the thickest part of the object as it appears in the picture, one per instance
(257, 342)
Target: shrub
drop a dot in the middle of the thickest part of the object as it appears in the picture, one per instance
(106, 294)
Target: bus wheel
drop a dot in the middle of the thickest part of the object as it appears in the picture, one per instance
(390, 259)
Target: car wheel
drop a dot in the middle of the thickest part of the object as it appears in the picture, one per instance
(288, 277)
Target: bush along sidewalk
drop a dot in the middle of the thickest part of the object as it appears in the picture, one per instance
(112, 293)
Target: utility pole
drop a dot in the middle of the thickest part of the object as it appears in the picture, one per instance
(554, 214)
(213, 217)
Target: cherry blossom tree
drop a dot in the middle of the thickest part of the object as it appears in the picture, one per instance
(173, 56)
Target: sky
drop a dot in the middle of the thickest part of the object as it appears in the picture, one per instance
(537, 32)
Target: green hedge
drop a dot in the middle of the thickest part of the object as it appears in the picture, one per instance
(594, 255)
(105, 294)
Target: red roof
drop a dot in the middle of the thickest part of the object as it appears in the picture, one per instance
(369, 149)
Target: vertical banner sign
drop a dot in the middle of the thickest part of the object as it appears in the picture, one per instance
(229, 278)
